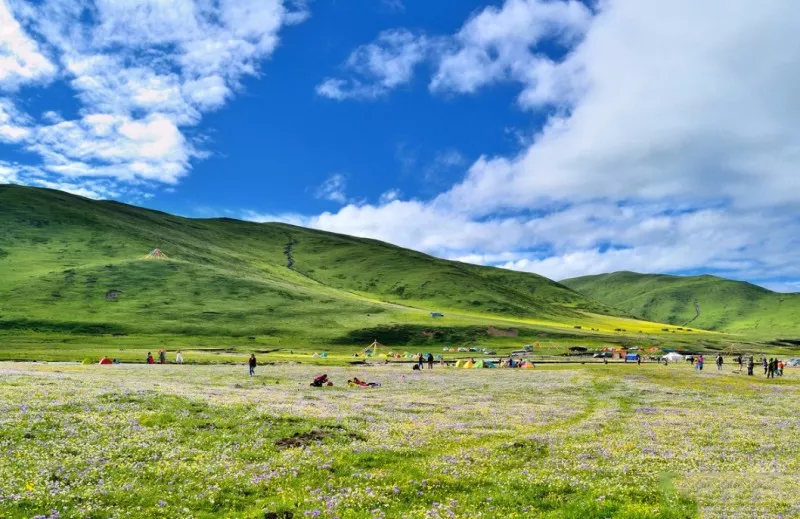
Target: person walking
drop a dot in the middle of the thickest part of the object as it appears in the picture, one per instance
(421, 361)
(430, 360)
(719, 361)
(179, 357)
(252, 364)
(739, 360)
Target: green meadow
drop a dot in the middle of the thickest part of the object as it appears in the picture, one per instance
(578, 442)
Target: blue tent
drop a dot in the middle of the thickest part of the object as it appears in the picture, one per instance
(631, 357)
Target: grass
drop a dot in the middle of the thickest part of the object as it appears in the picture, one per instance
(590, 442)
(74, 283)
(705, 302)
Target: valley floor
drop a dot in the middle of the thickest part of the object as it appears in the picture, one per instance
(555, 442)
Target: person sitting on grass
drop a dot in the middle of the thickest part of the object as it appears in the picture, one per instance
(356, 382)
(321, 380)
(150, 359)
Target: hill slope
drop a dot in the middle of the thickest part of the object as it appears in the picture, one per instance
(69, 264)
(706, 302)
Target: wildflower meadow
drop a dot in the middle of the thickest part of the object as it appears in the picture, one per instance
(588, 441)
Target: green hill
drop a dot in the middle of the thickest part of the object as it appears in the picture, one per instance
(69, 265)
(706, 302)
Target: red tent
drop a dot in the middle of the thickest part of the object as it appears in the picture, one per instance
(105, 361)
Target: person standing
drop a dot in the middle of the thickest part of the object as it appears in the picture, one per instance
(252, 364)
(179, 358)
(739, 360)
(750, 365)
(162, 356)
(780, 368)
(771, 368)
(430, 360)
(764, 364)
(421, 361)
(719, 361)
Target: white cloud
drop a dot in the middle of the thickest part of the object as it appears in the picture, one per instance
(8, 175)
(379, 67)
(333, 189)
(143, 71)
(672, 144)
(396, 6)
(21, 60)
(13, 123)
(502, 44)
(497, 44)
(390, 196)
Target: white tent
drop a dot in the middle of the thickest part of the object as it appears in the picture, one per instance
(673, 357)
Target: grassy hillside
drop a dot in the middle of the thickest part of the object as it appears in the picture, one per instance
(706, 302)
(72, 266)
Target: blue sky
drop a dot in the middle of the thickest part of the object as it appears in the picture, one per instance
(552, 136)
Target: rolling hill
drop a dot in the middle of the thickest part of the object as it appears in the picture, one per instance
(706, 302)
(70, 265)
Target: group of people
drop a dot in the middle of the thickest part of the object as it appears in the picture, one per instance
(772, 367)
(421, 359)
(162, 357)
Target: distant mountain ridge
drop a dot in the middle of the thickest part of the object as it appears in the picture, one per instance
(706, 302)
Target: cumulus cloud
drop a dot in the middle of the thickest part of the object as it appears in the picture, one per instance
(671, 142)
(143, 72)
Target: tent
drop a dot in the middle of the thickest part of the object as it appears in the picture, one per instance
(631, 357)
(155, 254)
(105, 361)
(527, 365)
(673, 357)
(460, 363)
(479, 364)
(468, 365)
(488, 364)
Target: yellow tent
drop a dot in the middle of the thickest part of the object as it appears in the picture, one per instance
(460, 364)
(468, 365)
